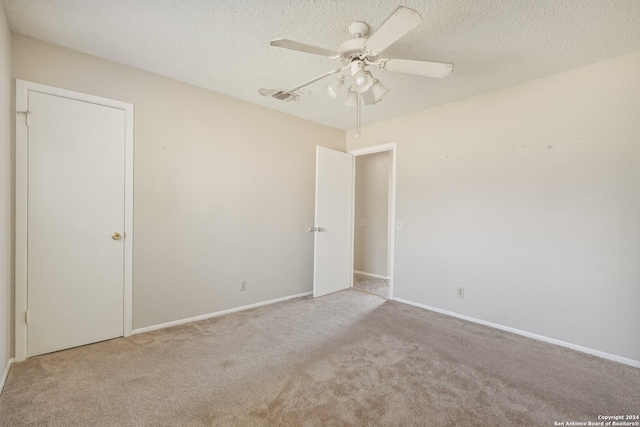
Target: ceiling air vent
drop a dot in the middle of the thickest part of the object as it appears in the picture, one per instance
(285, 96)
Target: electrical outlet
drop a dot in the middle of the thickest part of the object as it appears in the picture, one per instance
(243, 286)
(460, 292)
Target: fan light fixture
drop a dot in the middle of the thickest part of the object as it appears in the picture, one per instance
(362, 80)
(363, 85)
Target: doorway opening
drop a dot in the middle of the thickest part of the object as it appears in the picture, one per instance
(374, 219)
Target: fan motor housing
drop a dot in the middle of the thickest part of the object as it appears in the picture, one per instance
(353, 49)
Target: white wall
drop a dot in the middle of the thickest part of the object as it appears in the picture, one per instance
(6, 195)
(529, 198)
(223, 192)
(372, 202)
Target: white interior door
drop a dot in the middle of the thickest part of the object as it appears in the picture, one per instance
(76, 201)
(332, 269)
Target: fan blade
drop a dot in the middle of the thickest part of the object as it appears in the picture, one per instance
(422, 68)
(290, 44)
(315, 79)
(397, 25)
(288, 95)
(266, 92)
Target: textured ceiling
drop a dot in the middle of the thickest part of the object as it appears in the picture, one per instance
(223, 45)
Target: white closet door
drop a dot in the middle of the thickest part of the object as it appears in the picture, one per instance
(75, 259)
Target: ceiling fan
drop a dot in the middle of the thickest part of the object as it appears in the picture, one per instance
(360, 52)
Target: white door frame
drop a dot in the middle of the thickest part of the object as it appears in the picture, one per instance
(23, 88)
(392, 147)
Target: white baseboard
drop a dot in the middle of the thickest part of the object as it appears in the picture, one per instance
(377, 276)
(6, 374)
(215, 314)
(602, 354)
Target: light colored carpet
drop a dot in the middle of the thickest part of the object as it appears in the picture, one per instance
(345, 359)
(371, 285)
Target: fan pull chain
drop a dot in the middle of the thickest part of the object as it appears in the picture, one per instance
(358, 118)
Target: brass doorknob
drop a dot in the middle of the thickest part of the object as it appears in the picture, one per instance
(115, 236)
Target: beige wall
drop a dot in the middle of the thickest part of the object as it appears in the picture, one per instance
(372, 203)
(6, 195)
(529, 198)
(224, 189)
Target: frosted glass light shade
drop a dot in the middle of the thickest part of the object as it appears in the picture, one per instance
(334, 87)
(379, 90)
(352, 98)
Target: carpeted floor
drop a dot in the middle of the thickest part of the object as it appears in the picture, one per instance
(371, 285)
(345, 359)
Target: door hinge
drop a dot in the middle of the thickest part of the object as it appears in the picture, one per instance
(26, 116)
(26, 317)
